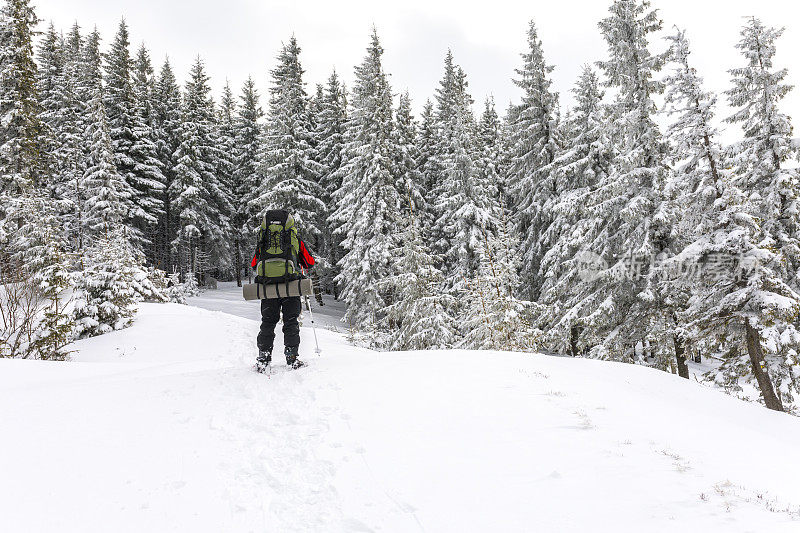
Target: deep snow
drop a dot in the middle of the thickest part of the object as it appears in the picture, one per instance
(164, 427)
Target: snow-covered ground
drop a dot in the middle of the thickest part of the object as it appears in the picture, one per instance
(164, 427)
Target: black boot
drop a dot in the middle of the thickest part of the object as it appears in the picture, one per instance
(263, 360)
(291, 353)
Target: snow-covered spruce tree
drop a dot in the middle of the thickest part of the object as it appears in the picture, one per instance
(71, 149)
(420, 316)
(288, 162)
(64, 118)
(246, 177)
(49, 82)
(167, 128)
(369, 202)
(467, 205)
(760, 159)
(225, 133)
(119, 101)
(489, 131)
(39, 250)
(149, 183)
(330, 124)
(91, 67)
(450, 95)
(619, 306)
(200, 205)
(20, 127)
(740, 311)
(534, 146)
(579, 169)
(107, 193)
(695, 184)
(111, 275)
(726, 247)
(759, 230)
(106, 291)
(407, 155)
(493, 318)
(491, 155)
(429, 168)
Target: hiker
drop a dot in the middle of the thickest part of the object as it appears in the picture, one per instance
(279, 255)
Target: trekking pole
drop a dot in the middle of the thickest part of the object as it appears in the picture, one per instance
(313, 327)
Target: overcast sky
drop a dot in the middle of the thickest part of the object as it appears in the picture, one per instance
(237, 38)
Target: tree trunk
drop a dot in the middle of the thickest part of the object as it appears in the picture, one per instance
(680, 357)
(238, 263)
(573, 341)
(759, 368)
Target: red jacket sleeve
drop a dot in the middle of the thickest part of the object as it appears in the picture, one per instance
(254, 262)
(306, 259)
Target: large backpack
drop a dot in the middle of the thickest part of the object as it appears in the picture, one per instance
(278, 248)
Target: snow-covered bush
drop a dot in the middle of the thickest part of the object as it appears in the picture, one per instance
(109, 286)
(177, 292)
(493, 318)
(419, 317)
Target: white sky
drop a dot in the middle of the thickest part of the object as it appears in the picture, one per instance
(236, 38)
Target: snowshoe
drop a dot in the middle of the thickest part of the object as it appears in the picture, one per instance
(291, 353)
(263, 360)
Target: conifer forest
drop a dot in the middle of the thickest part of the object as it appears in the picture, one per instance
(625, 227)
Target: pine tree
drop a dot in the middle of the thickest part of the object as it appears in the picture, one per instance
(407, 155)
(167, 128)
(465, 205)
(330, 120)
(490, 148)
(330, 135)
(39, 249)
(105, 290)
(761, 157)
(246, 177)
(578, 170)
(49, 82)
(64, 119)
(91, 67)
(369, 202)
(760, 303)
(697, 181)
(493, 318)
(20, 127)
(420, 316)
(119, 101)
(226, 162)
(106, 191)
(621, 307)
(534, 146)
(200, 204)
(430, 170)
(147, 167)
(290, 171)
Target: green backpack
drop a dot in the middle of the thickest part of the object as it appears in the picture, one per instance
(278, 248)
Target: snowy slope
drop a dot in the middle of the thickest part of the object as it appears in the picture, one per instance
(163, 427)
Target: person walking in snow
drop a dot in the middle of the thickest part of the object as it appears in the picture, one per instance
(279, 255)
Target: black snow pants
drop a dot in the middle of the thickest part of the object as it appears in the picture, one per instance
(271, 314)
